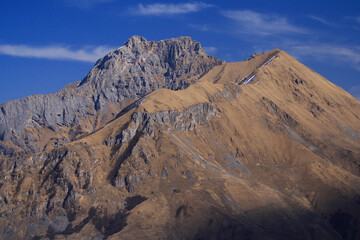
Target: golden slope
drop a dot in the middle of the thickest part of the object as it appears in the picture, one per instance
(293, 134)
(278, 159)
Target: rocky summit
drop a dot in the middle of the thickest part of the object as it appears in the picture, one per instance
(161, 141)
(42, 122)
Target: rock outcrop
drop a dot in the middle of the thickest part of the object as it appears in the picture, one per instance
(119, 78)
(275, 158)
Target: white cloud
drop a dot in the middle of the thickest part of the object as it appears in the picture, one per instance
(55, 52)
(332, 53)
(261, 24)
(319, 19)
(210, 50)
(158, 9)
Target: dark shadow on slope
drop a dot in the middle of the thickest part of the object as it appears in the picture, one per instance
(132, 202)
(116, 147)
(270, 224)
(345, 224)
(110, 224)
(59, 155)
(106, 224)
(127, 152)
(128, 108)
(75, 229)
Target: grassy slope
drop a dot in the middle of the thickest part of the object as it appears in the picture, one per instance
(280, 159)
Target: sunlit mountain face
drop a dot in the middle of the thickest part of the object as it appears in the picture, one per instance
(163, 141)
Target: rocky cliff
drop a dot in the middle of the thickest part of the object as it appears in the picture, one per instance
(41, 122)
(260, 149)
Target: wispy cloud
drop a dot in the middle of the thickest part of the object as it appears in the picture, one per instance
(251, 22)
(210, 50)
(219, 29)
(158, 9)
(55, 52)
(353, 22)
(321, 20)
(355, 91)
(352, 18)
(332, 53)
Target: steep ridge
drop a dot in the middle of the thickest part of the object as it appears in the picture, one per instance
(41, 122)
(276, 158)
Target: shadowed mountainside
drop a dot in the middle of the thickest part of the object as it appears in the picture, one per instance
(260, 149)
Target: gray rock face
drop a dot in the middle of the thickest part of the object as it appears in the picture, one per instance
(179, 121)
(63, 176)
(139, 67)
(127, 73)
(18, 118)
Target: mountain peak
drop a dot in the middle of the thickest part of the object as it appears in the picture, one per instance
(122, 76)
(244, 150)
(173, 58)
(135, 40)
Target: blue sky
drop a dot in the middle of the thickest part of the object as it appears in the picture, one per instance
(46, 44)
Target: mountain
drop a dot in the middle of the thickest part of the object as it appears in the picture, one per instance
(42, 122)
(260, 149)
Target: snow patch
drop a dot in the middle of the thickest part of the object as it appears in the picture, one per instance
(270, 60)
(250, 79)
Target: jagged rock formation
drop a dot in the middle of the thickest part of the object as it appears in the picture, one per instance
(275, 158)
(128, 73)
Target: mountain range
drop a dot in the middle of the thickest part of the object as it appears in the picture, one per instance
(162, 141)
